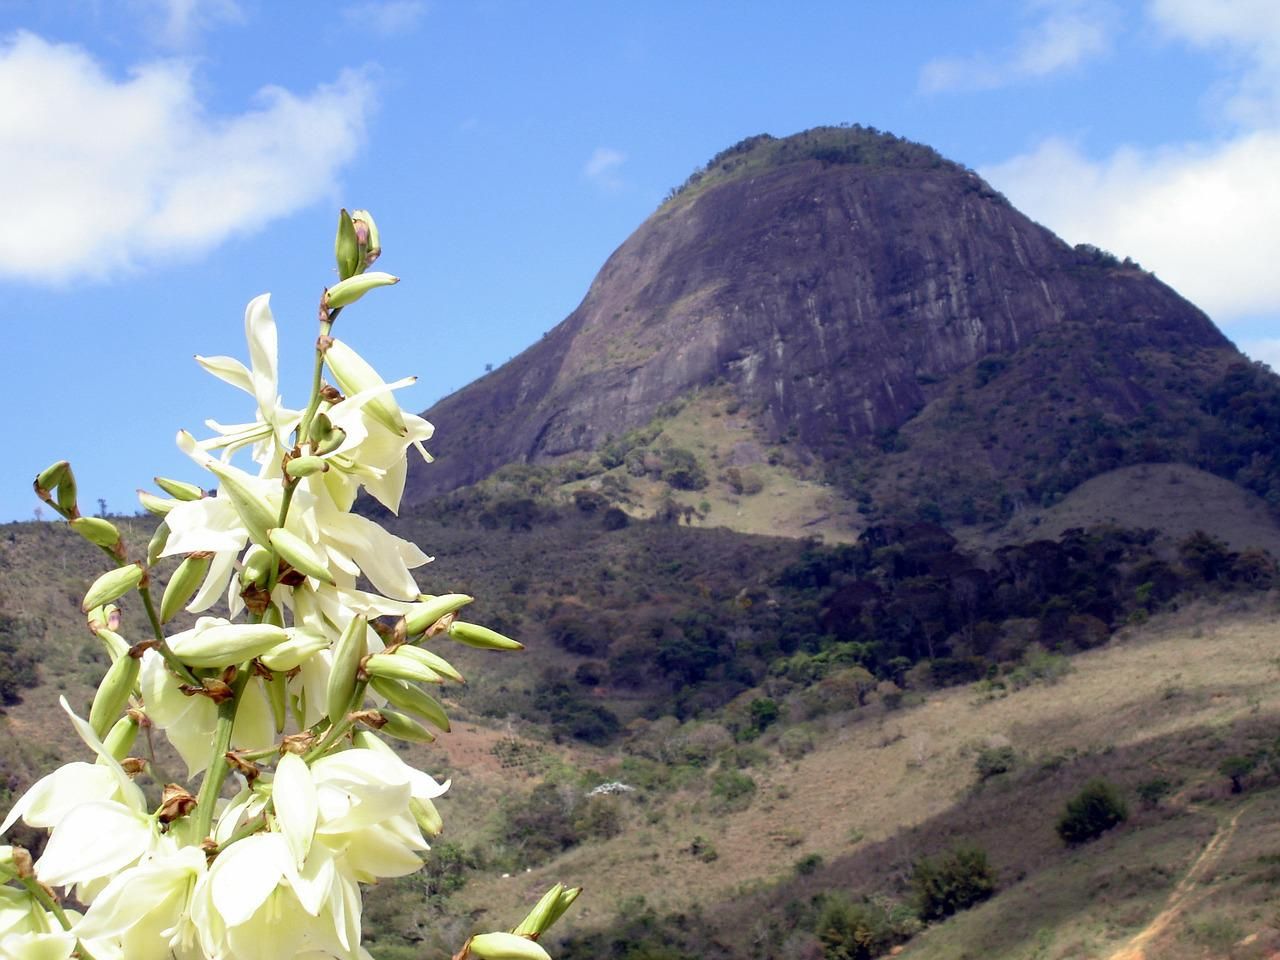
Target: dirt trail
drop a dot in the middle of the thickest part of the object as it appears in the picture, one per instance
(1136, 948)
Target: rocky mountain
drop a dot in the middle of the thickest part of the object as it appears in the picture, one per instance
(882, 314)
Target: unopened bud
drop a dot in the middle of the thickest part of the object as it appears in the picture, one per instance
(183, 584)
(474, 635)
(157, 543)
(431, 660)
(305, 466)
(547, 911)
(225, 643)
(505, 946)
(408, 697)
(346, 247)
(348, 291)
(121, 737)
(402, 727)
(347, 654)
(257, 566)
(430, 609)
(100, 532)
(179, 489)
(367, 237)
(112, 585)
(392, 666)
(113, 693)
(50, 477)
(159, 506)
(427, 816)
(300, 646)
(115, 645)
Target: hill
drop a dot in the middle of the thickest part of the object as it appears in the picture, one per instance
(850, 310)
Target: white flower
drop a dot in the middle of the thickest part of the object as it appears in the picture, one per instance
(141, 913)
(269, 434)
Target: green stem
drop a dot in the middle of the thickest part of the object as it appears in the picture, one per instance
(162, 648)
(219, 766)
(46, 900)
(317, 374)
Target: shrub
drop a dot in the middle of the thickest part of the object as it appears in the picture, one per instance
(860, 931)
(1237, 768)
(956, 881)
(1151, 792)
(733, 788)
(993, 761)
(1092, 812)
(680, 468)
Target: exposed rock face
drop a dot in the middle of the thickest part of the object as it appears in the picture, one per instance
(833, 286)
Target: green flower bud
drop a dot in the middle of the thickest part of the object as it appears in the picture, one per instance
(505, 946)
(183, 584)
(354, 375)
(50, 477)
(392, 666)
(100, 532)
(113, 693)
(66, 494)
(8, 864)
(431, 609)
(121, 737)
(116, 645)
(346, 248)
(408, 697)
(367, 237)
(300, 646)
(255, 512)
(158, 506)
(112, 585)
(157, 543)
(305, 466)
(299, 554)
(348, 291)
(403, 727)
(427, 817)
(347, 654)
(431, 660)
(474, 635)
(541, 916)
(332, 441)
(179, 489)
(224, 644)
(258, 563)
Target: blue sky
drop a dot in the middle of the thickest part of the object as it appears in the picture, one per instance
(167, 160)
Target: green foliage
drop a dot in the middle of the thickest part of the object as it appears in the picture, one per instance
(1152, 791)
(1092, 812)
(562, 705)
(956, 881)
(744, 483)
(1237, 767)
(19, 646)
(860, 930)
(703, 849)
(681, 469)
(993, 761)
(733, 789)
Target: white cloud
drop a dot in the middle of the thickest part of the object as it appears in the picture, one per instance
(115, 172)
(177, 22)
(1246, 29)
(1203, 218)
(386, 17)
(1068, 33)
(603, 167)
(1201, 215)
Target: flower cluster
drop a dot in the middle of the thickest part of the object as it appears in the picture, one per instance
(312, 644)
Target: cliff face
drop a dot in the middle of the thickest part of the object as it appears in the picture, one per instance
(837, 280)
